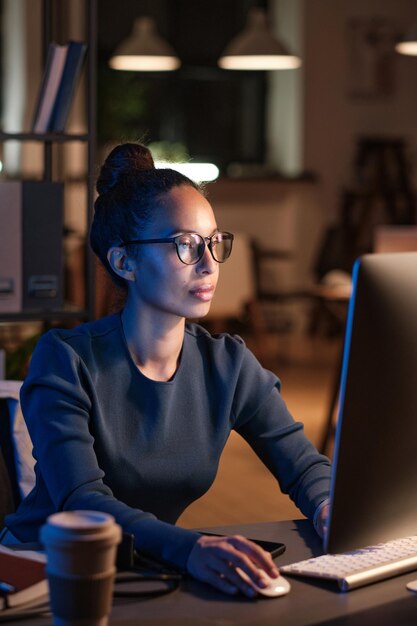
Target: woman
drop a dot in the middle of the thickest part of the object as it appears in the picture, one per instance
(129, 414)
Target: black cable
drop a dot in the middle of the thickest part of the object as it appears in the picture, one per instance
(170, 582)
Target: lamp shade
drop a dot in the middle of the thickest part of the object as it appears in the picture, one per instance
(144, 50)
(408, 43)
(255, 48)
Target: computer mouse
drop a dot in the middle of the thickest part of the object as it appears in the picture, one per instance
(276, 586)
(412, 586)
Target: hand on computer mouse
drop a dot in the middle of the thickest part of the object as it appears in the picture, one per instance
(275, 586)
(214, 560)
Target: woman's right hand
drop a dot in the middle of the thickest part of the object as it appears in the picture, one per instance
(214, 560)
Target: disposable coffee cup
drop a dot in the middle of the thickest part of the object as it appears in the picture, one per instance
(81, 553)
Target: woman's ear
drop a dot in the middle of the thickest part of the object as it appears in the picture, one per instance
(123, 265)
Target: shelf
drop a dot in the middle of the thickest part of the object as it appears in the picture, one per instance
(42, 316)
(50, 11)
(44, 137)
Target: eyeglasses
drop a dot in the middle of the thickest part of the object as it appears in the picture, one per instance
(191, 246)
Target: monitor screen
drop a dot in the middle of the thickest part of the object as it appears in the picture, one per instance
(374, 480)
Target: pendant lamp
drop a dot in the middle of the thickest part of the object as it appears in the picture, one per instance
(255, 48)
(408, 43)
(144, 50)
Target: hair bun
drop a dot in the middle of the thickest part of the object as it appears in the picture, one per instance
(126, 159)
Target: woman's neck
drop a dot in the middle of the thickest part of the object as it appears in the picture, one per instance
(155, 344)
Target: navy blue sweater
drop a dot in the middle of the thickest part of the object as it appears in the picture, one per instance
(108, 438)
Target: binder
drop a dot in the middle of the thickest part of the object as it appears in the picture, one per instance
(72, 70)
(31, 246)
(42, 233)
(10, 247)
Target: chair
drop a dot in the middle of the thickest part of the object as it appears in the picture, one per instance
(17, 475)
(7, 503)
(274, 285)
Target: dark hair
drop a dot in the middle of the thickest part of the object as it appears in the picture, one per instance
(129, 187)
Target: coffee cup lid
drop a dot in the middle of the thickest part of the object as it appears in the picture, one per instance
(79, 524)
(81, 520)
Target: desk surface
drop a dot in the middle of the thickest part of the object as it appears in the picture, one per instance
(308, 603)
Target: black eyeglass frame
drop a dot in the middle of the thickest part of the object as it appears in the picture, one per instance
(208, 241)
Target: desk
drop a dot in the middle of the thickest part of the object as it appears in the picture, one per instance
(307, 604)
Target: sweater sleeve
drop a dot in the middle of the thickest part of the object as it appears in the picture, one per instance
(56, 399)
(263, 419)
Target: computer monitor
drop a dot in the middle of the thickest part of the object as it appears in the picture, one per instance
(374, 474)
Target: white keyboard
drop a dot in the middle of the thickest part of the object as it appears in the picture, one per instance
(360, 567)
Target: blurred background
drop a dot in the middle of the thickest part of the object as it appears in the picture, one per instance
(311, 167)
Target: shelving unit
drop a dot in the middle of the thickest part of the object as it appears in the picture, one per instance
(48, 140)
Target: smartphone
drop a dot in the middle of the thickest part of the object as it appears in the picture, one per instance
(275, 548)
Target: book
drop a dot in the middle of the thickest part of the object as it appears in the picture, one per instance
(23, 582)
(72, 70)
(54, 68)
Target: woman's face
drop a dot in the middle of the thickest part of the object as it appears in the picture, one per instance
(162, 282)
